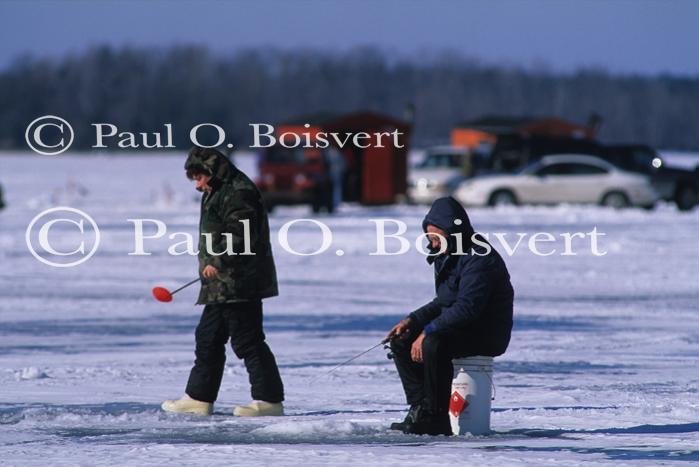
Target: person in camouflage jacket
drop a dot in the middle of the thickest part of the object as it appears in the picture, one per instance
(233, 198)
(237, 271)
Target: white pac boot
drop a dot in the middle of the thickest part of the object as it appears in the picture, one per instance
(259, 409)
(188, 405)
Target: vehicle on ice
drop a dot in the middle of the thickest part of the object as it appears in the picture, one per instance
(674, 184)
(438, 173)
(568, 178)
(295, 176)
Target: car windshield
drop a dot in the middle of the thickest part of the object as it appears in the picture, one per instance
(643, 158)
(440, 160)
(282, 155)
(529, 168)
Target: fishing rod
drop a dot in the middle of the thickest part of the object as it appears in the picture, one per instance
(383, 342)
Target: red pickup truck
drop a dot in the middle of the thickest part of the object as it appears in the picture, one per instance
(289, 176)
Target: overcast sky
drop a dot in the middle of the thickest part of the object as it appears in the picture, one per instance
(634, 36)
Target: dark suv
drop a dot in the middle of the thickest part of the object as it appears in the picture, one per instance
(672, 184)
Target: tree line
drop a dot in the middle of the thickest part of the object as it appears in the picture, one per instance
(140, 89)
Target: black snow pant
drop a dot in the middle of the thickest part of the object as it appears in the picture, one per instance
(429, 383)
(242, 322)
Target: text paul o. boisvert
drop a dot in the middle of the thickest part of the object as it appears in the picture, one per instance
(264, 135)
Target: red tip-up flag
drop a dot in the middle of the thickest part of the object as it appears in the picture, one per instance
(457, 404)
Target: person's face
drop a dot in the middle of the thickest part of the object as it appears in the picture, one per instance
(202, 182)
(433, 234)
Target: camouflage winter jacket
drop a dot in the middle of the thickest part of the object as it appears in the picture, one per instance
(234, 198)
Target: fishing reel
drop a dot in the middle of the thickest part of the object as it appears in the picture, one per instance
(387, 346)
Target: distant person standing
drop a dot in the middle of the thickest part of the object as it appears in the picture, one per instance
(233, 286)
(336, 169)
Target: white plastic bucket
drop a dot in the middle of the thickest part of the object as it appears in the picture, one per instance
(471, 393)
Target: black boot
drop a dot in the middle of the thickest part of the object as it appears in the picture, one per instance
(413, 414)
(429, 424)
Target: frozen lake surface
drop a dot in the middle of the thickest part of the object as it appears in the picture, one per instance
(602, 366)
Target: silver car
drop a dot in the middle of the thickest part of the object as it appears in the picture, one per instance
(568, 178)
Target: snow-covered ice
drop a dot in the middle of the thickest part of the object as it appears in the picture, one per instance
(602, 366)
(31, 372)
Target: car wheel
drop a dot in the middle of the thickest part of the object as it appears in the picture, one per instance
(686, 198)
(616, 200)
(502, 198)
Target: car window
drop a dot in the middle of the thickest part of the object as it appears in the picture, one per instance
(571, 169)
(638, 159)
(553, 169)
(643, 158)
(585, 169)
(440, 160)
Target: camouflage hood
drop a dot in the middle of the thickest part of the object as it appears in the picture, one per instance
(211, 161)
